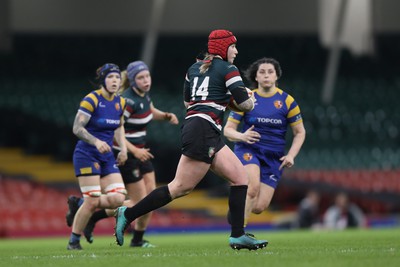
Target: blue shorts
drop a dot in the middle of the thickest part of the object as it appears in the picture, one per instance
(267, 161)
(88, 163)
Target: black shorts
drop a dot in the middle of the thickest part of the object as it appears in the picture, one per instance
(200, 140)
(133, 169)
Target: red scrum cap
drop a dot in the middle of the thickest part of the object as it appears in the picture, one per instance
(219, 41)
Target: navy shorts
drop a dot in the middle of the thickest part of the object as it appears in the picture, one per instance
(87, 163)
(134, 169)
(267, 161)
(200, 140)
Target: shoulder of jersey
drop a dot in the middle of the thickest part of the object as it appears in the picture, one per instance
(282, 93)
(94, 95)
(128, 100)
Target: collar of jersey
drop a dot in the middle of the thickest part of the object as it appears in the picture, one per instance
(100, 92)
(262, 94)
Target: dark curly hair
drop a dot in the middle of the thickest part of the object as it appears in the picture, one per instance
(251, 72)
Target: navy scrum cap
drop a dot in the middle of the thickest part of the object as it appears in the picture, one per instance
(105, 70)
(133, 69)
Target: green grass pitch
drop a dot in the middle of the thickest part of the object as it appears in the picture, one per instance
(373, 247)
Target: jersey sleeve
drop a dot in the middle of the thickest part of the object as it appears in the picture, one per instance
(233, 80)
(294, 115)
(123, 105)
(89, 104)
(186, 89)
(129, 108)
(235, 117)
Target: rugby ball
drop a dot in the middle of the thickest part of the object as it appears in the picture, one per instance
(232, 105)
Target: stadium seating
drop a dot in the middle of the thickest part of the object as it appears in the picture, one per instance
(29, 208)
(353, 139)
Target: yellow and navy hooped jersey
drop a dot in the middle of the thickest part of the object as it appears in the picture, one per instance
(209, 93)
(105, 116)
(271, 117)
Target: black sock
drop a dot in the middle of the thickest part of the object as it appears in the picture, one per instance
(137, 236)
(98, 215)
(237, 202)
(156, 199)
(74, 238)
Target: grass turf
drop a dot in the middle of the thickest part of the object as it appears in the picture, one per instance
(374, 247)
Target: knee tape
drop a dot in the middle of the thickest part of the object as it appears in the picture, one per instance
(116, 188)
(91, 191)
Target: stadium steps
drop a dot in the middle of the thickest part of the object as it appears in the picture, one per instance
(41, 168)
(199, 200)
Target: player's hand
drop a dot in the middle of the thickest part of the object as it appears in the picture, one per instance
(143, 154)
(250, 93)
(250, 136)
(102, 146)
(121, 158)
(287, 161)
(171, 117)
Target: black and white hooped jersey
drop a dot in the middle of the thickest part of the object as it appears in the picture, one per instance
(137, 116)
(209, 93)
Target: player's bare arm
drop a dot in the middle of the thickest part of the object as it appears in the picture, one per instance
(79, 130)
(247, 105)
(119, 136)
(244, 99)
(81, 120)
(163, 115)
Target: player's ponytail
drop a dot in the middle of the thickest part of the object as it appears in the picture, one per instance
(124, 82)
(206, 63)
